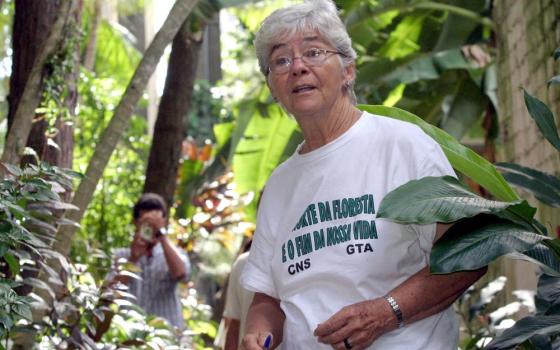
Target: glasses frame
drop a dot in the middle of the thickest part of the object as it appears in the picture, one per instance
(303, 58)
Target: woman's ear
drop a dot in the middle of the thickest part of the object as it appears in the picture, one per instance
(349, 74)
(271, 90)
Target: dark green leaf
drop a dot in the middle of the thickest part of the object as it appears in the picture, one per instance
(544, 118)
(556, 53)
(524, 329)
(457, 29)
(436, 199)
(99, 314)
(466, 109)
(6, 321)
(60, 205)
(22, 310)
(473, 243)
(522, 214)
(13, 263)
(544, 187)
(37, 283)
(541, 255)
(548, 289)
(554, 80)
(3, 249)
(13, 169)
(451, 59)
(554, 245)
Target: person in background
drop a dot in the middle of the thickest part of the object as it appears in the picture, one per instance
(161, 264)
(238, 300)
(328, 274)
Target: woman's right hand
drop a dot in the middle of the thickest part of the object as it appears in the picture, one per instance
(256, 341)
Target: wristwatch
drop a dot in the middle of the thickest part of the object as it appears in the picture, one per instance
(161, 232)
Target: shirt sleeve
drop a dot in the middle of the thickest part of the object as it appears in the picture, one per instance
(434, 163)
(257, 274)
(233, 304)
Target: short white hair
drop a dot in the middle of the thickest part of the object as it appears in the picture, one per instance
(319, 16)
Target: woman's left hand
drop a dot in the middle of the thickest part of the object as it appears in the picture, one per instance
(356, 326)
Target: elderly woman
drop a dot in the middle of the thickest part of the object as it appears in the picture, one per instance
(326, 272)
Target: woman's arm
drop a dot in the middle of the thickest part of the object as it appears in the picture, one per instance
(232, 334)
(265, 317)
(420, 296)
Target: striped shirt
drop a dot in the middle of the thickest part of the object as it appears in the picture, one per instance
(156, 292)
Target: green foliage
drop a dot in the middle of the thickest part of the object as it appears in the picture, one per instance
(205, 111)
(543, 117)
(503, 228)
(30, 199)
(106, 223)
(545, 187)
(525, 329)
(441, 199)
(116, 56)
(60, 67)
(86, 303)
(419, 44)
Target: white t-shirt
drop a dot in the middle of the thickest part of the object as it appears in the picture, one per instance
(238, 298)
(318, 246)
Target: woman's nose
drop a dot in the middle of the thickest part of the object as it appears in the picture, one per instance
(298, 66)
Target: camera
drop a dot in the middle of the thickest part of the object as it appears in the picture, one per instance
(146, 232)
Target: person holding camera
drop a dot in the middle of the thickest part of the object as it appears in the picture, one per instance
(161, 264)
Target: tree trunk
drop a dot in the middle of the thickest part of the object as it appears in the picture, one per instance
(88, 59)
(32, 23)
(28, 94)
(60, 152)
(113, 133)
(171, 122)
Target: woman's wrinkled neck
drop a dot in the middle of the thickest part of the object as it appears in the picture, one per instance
(320, 129)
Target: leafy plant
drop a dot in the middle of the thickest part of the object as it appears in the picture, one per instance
(30, 202)
(487, 229)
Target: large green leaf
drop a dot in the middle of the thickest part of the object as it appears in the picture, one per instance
(544, 187)
(466, 109)
(269, 138)
(544, 118)
(474, 243)
(457, 29)
(367, 11)
(116, 56)
(461, 158)
(403, 40)
(525, 329)
(437, 199)
(541, 255)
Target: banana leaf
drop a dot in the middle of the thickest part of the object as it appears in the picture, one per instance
(525, 329)
(544, 187)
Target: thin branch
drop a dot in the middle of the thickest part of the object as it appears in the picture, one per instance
(114, 131)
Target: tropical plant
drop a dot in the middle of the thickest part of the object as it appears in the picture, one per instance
(426, 57)
(487, 229)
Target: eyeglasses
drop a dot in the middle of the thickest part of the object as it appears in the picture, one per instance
(311, 57)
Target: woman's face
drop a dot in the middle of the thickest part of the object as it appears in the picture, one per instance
(308, 89)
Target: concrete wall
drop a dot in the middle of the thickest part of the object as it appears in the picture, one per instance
(528, 31)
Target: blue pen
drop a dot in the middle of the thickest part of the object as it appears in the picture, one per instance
(267, 342)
